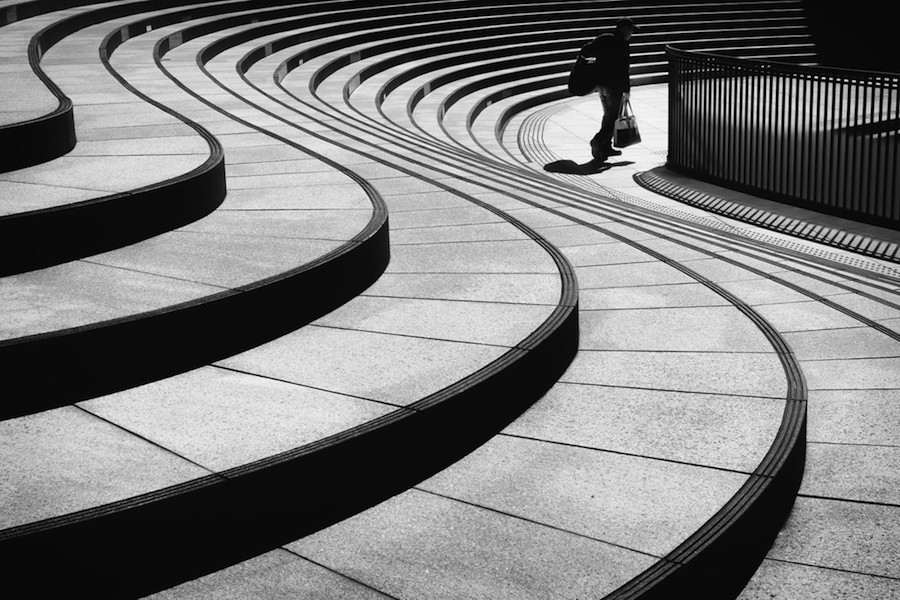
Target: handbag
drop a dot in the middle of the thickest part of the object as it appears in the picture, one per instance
(625, 132)
(583, 78)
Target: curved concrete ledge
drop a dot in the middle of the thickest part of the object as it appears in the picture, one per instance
(48, 136)
(719, 559)
(101, 358)
(51, 236)
(188, 530)
(50, 370)
(38, 140)
(45, 237)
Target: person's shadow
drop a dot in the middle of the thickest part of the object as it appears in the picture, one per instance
(589, 168)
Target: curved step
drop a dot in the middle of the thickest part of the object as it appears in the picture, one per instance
(36, 122)
(199, 292)
(408, 379)
(62, 210)
(496, 512)
(367, 549)
(773, 487)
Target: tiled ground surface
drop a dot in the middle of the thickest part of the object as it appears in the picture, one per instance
(673, 399)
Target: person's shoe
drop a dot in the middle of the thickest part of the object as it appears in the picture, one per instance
(602, 154)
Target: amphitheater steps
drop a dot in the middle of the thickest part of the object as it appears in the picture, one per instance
(399, 394)
(403, 366)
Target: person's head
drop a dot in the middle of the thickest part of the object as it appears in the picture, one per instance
(625, 28)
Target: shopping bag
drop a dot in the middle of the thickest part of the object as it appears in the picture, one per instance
(625, 132)
(583, 78)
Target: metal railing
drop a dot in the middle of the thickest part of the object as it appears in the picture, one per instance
(826, 139)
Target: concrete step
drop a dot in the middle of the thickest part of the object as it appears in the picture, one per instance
(399, 395)
(199, 290)
(451, 331)
(480, 468)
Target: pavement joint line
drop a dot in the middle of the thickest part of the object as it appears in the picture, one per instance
(171, 277)
(448, 226)
(532, 521)
(819, 329)
(851, 444)
(302, 385)
(409, 335)
(589, 244)
(644, 285)
(646, 308)
(312, 209)
(338, 573)
(459, 300)
(829, 568)
(479, 273)
(623, 453)
(858, 389)
(779, 398)
(650, 260)
(703, 352)
(849, 500)
(455, 242)
(79, 406)
(849, 358)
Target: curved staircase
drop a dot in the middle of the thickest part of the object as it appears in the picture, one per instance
(532, 386)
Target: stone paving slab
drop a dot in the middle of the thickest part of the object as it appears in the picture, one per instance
(632, 502)
(60, 461)
(721, 431)
(776, 579)
(276, 575)
(650, 297)
(77, 294)
(810, 315)
(473, 322)
(341, 360)
(223, 260)
(862, 374)
(410, 546)
(106, 174)
(703, 372)
(17, 197)
(854, 416)
(859, 342)
(848, 536)
(853, 472)
(222, 419)
(524, 288)
(705, 329)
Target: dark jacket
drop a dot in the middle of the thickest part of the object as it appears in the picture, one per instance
(613, 63)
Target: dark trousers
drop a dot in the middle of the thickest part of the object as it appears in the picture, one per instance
(611, 101)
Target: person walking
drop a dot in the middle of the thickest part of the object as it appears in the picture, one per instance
(612, 54)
